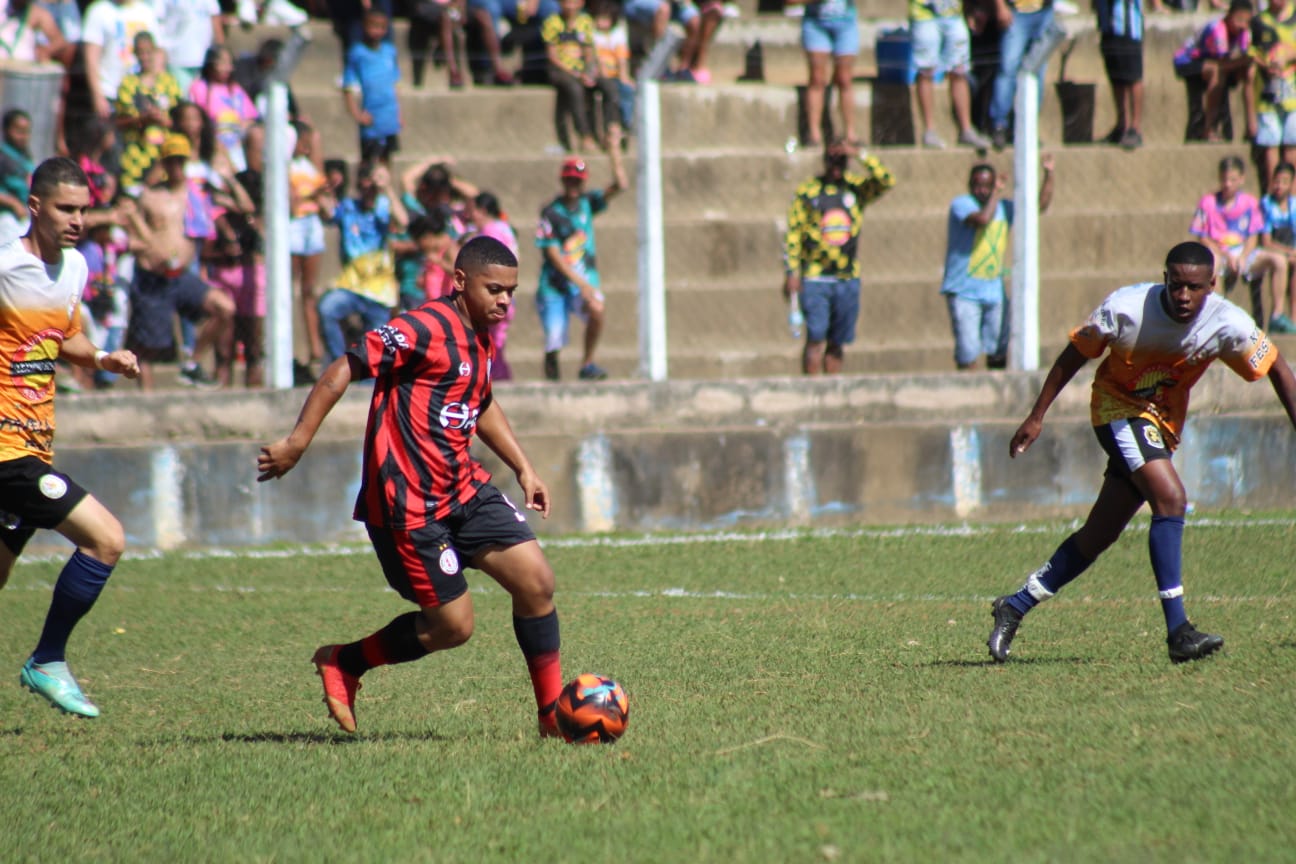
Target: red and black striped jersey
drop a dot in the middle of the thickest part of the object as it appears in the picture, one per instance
(431, 382)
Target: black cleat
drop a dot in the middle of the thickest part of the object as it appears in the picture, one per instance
(1187, 643)
(1006, 620)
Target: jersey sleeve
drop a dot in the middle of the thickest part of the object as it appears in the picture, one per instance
(876, 180)
(1091, 337)
(1257, 222)
(387, 349)
(551, 29)
(962, 207)
(798, 218)
(351, 72)
(546, 230)
(1246, 349)
(1200, 226)
(598, 201)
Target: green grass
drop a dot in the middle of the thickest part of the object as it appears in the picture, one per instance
(806, 699)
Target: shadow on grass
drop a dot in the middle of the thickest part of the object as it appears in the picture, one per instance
(1023, 661)
(11, 733)
(325, 738)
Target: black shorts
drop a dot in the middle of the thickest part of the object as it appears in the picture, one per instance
(378, 148)
(33, 495)
(154, 301)
(1130, 444)
(425, 566)
(1123, 58)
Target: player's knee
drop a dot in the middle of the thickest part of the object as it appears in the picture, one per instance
(446, 631)
(108, 544)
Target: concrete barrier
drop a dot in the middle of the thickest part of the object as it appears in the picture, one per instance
(695, 455)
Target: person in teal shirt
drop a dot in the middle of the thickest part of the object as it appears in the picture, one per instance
(16, 167)
(569, 279)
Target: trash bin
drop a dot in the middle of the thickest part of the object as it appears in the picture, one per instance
(1077, 101)
(36, 88)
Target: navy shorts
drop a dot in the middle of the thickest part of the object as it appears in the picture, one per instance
(33, 495)
(1130, 444)
(831, 307)
(378, 148)
(1123, 58)
(154, 301)
(425, 565)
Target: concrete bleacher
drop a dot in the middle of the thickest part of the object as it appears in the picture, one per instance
(729, 173)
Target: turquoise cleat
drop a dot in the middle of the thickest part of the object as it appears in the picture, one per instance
(54, 681)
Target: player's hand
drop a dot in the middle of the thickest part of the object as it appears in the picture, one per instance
(277, 459)
(792, 285)
(1024, 437)
(365, 118)
(534, 493)
(1046, 162)
(122, 362)
(593, 302)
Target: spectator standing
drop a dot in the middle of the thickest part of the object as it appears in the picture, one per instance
(976, 250)
(573, 67)
(16, 167)
(89, 148)
(369, 89)
(943, 43)
(1121, 24)
(367, 285)
(987, 34)
(29, 33)
(189, 29)
(230, 108)
(1023, 22)
(822, 252)
(108, 35)
(1218, 57)
(829, 37)
(143, 110)
(486, 219)
(569, 277)
(253, 71)
(490, 15)
(444, 19)
(307, 188)
(1279, 237)
(1229, 222)
(1273, 50)
(614, 85)
(67, 16)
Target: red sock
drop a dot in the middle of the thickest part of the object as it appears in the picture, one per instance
(546, 680)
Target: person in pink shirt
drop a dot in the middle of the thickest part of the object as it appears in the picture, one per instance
(1217, 55)
(1229, 222)
(225, 102)
(484, 218)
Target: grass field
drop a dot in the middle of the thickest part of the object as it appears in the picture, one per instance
(793, 699)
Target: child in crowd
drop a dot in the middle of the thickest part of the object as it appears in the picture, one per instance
(307, 185)
(569, 44)
(1279, 238)
(484, 217)
(104, 305)
(431, 234)
(230, 108)
(369, 88)
(614, 85)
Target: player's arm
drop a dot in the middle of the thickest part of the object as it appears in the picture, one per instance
(797, 218)
(278, 459)
(1046, 182)
(80, 351)
(1068, 363)
(620, 182)
(1284, 384)
(494, 430)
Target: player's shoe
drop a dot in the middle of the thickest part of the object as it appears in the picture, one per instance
(54, 681)
(339, 687)
(1006, 620)
(1188, 643)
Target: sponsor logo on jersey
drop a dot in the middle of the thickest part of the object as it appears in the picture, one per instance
(32, 366)
(458, 415)
(835, 226)
(393, 340)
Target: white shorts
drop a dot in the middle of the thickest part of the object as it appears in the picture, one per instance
(306, 235)
(1222, 268)
(941, 44)
(1276, 128)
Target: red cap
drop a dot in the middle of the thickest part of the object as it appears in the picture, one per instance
(574, 167)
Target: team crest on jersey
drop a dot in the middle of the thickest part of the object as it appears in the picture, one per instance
(449, 562)
(465, 369)
(32, 367)
(835, 226)
(1152, 435)
(52, 486)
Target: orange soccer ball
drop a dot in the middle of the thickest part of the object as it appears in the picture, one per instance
(592, 709)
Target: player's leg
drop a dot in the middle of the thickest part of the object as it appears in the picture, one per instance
(965, 324)
(844, 313)
(845, 47)
(817, 59)
(100, 541)
(422, 567)
(1117, 502)
(816, 301)
(551, 307)
(926, 40)
(500, 543)
(593, 316)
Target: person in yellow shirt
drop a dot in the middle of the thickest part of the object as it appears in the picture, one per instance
(1159, 339)
(42, 276)
(1273, 51)
(573, 70)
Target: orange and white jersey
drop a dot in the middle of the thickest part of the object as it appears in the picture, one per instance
(1155, 360)
(39, 308)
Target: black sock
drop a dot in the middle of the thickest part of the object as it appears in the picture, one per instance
(398, 642)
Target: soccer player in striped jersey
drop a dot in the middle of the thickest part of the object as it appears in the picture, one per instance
(429, 507)
(42, 276)
(1159, 339)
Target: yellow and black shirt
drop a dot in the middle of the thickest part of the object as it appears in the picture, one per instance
(824, 221)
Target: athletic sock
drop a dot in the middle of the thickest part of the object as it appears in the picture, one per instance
(77, 589)
(1066, 564)
(538, 639)
(398, 642)
(1165, 547)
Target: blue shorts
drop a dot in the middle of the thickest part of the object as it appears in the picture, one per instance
(978, 327)
(837, 36)
(830, 307)
(554, 311)
(643, 11)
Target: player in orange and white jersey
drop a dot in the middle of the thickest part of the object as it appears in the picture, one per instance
(1159, 338)
(42, 277)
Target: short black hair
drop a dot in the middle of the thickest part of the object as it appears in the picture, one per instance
(1240, 6)
(481, 252)
(435, 221)
(979, 167)
(338, 166)
(1232, 163)
(52, 173)
(1285, 168)
(488, 204)
(12, 116)
(1191, 253)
